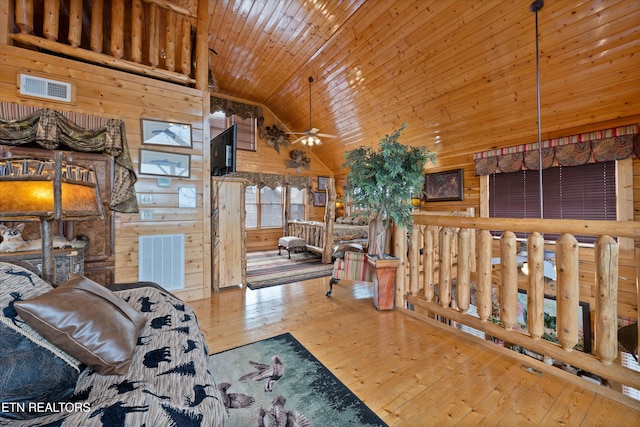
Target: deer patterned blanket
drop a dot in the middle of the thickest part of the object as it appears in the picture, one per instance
(168, 383)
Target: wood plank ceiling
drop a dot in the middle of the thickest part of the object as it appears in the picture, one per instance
(460, 73)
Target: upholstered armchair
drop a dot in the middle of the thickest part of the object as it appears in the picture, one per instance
(350, 264)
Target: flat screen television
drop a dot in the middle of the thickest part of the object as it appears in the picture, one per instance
(223, 152)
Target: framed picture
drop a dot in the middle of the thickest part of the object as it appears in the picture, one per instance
(322, 183)
(442, 186)
(154, 162)
(319, 198)
(155, 132)
(550, 310)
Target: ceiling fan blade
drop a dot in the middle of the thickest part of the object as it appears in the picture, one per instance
(296, 133)
(313, 130)
(294, 141)
(326, 135)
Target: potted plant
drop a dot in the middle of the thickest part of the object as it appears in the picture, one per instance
(383, 181)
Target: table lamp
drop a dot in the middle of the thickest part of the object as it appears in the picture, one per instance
(47, 190)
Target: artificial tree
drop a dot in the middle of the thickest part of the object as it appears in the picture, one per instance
(384, 180)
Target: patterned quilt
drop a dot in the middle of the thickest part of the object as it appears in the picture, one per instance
(168, 383)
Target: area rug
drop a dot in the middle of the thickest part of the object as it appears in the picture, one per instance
(267, 268)
(277, 382)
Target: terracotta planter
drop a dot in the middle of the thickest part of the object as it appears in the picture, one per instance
(384, 282)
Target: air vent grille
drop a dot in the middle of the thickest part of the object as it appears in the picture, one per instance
(45, 88)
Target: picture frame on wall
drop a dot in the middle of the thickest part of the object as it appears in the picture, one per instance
(444, 186)
(322, 183)
(153, 162)
(319, 198)
(157, 132)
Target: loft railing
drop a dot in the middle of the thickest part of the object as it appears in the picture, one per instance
(148, 37)
(457, 255)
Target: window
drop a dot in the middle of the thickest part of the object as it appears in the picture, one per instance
(246, 129)
(586, 192)
(264, 208)
(296, 198)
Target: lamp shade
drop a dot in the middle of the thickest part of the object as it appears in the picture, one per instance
(34, 189)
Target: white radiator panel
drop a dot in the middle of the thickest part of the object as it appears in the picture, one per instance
(161, 260)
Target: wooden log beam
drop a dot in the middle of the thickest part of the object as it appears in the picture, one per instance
(535, 295)
(102, 59)
(51, 19)
(154, 35)
(202, 57)
(414, 260)
(444, 281)
(117, 28)
(568, 291)
(509, 270)
(463, 282)
(137, 24)
(606, 330)
(24, 15)
(75, 22)
(170, 43)
(555, 226)
(484, 274)
(428, 262)
(173, 7)
(185, 47)
(97, 10)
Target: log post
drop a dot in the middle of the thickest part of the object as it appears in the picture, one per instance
(427, 262)
(606, 258)
(464, 273)
(24, 15)
(202, 46)
(137, 23)
(329, 216)
(153, 33)
(484, 274)
(414, 260)
(97, 10)
(185, 42)
(170, 43)
(117, 28)
(75, 22)
(509, 288)
(399, 239)
(568, 291)
(444, 280)
(535, 293)
(51, 19)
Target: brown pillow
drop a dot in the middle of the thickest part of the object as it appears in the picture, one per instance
(87, 321)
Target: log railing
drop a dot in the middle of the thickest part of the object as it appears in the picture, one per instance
(156, 42)
(470, 269)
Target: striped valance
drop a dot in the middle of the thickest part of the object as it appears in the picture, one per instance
(52, 130)
(600, 146)
(274, 180)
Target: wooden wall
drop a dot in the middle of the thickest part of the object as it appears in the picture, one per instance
(108, 93)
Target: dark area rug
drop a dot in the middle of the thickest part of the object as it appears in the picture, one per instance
(267, 268)
(304, 390)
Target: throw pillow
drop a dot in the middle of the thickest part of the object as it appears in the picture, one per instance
(29, 374)
(88, 321)
(31, 368)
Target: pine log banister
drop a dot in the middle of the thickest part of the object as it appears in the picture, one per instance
(430, 233)
(161, 59)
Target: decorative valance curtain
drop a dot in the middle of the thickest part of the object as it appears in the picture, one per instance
(231, 108)
(274, 180)
(600, 146)
(50, 129)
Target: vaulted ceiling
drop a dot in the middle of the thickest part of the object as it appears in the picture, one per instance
(462, 74)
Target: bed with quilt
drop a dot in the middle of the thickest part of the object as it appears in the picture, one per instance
(83, 355)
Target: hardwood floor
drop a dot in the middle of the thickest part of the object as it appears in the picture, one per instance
(410, 372)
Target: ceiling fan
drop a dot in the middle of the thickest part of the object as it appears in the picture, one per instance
(311, 136)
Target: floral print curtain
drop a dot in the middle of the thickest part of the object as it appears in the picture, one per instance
(601, 146)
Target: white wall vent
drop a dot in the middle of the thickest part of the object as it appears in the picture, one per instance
(161, 260)
(45, 88)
